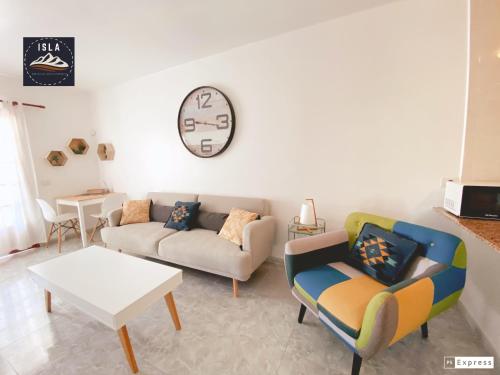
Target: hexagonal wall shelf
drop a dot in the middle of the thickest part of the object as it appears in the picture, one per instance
(78, 145)
(57, 158)
(106, 151)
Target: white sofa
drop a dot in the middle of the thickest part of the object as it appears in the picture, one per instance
(198, 248)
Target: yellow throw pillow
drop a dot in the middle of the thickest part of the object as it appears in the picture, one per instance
(134, 212)
(233, 227)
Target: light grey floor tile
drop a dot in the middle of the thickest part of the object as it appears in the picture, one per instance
(257, 333)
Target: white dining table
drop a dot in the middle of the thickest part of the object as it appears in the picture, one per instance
(80, 202)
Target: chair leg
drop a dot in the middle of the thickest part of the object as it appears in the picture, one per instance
(97, 224)
(73, 225)
(356, 364)
(425, 330)
(51, 231)
(59, 237)
(302, 312)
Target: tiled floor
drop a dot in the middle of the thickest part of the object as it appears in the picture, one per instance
(254, 334)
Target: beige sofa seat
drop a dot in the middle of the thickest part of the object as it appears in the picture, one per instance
(205, 250)
(140, 238)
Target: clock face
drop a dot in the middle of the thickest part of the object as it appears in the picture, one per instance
(206, 122)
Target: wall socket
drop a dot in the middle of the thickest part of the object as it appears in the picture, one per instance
(444, 180)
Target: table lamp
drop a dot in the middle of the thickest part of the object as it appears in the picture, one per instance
(308, 213)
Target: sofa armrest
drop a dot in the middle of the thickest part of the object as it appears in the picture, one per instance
(314, 251)
(114, 217)
(258, 239)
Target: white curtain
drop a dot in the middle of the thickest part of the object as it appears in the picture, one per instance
(21, 224)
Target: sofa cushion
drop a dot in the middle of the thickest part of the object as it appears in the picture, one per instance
(344, 304)
(340, 293)
(204, 250)
(236, 221)
(135, 211)
(210, 220)
(311, 283)
(169, 199)
(382, 254)
(183, 215)
(216, 203)
(160, 213)
(314, 281)
(140, 238)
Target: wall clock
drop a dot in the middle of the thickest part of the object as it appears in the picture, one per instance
(206, 122)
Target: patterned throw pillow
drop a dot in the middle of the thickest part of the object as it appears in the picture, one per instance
(382, 254)
(134, 212)
(183, 215)
(233, 227)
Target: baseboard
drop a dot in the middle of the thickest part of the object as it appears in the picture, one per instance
(275, 260)
(477, 330)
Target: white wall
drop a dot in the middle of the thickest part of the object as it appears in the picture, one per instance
(68, 114)
(361, 113)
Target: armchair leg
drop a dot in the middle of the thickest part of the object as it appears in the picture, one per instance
(425, 330)
(302, 312)
(356, 364)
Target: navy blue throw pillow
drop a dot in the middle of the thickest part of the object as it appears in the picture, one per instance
(382, 254)
(183, 215)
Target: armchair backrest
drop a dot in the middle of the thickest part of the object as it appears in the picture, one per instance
(438, 247)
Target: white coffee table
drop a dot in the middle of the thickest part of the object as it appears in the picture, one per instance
(111, 287)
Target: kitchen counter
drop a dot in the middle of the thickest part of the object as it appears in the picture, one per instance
(486, 230)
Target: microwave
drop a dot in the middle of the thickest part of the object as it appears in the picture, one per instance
(475, 199)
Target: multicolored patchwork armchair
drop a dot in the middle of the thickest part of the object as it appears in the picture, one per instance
(366, 315)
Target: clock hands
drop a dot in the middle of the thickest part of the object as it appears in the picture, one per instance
(205, 123)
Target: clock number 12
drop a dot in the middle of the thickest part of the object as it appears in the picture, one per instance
(202, 102)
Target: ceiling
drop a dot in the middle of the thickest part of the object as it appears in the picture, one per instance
(116, 41)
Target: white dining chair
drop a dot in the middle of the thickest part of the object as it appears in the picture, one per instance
(58, 222)
(110, 203)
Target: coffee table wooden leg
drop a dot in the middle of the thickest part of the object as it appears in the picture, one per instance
(127, 348)
(48, 301)
(169, 298)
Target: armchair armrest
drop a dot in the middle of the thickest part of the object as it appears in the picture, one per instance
(258, 239)
(406, 306)
(314, 251)
(114, 217)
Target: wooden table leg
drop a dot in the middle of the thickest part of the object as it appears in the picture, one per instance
(127, 348)
(48, 301)
(169, 298)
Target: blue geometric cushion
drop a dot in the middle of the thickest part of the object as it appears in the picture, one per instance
(382, 254)
(183, 215)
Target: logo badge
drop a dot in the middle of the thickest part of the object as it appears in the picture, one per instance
(49, 61)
